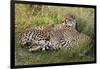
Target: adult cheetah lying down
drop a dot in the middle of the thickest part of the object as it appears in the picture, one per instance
(54, 37)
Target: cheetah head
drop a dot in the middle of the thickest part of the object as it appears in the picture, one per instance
(70, 21)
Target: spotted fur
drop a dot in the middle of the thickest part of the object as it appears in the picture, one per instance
(37, 38)
(52, 37)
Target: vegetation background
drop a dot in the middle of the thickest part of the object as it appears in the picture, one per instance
(27, 16)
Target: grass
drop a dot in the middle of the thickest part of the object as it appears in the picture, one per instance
(48, 57)
(27, 16)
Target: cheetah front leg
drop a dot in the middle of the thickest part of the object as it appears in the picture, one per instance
(34, 48)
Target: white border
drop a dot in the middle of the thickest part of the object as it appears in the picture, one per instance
(5, 33)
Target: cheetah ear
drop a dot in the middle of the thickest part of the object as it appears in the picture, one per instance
(70, 15)
(73, 16)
